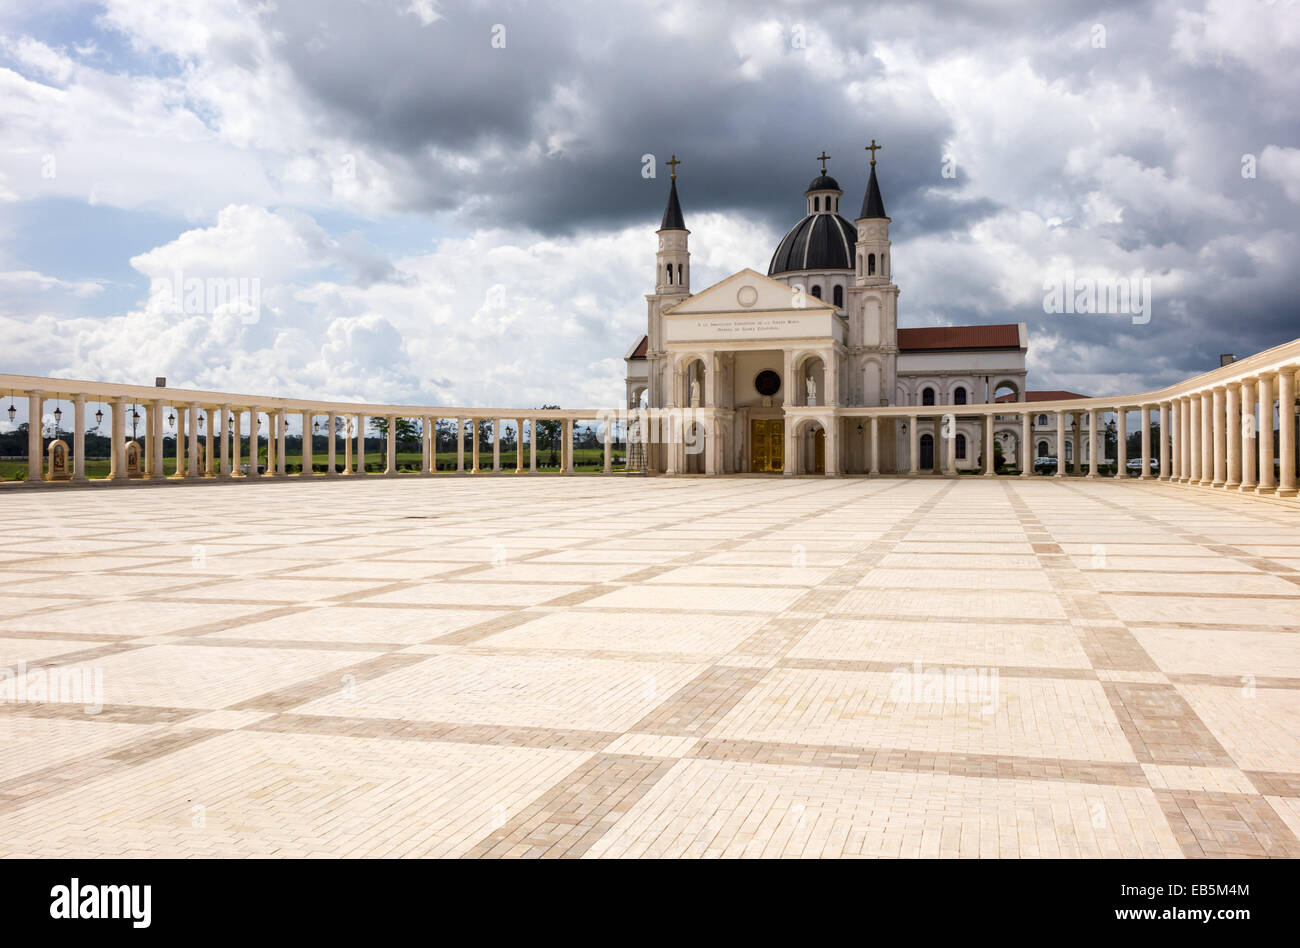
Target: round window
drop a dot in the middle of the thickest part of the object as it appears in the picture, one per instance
(768, 383)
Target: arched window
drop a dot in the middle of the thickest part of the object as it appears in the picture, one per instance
(837, 205)
(1069, 450)
(839, 296)
(1042, 423)
(679, 275)
(817, 290)
(884, 257)
(961, 447)
(1042, 449)
(670, 274)
(927, 396)
(959, 396)
(871, 264)
(817, 204)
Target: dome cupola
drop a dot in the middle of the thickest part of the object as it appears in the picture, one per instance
(822, 240)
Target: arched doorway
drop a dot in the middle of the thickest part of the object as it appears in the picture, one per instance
(927, 453)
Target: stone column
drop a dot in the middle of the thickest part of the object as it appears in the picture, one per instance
(949, 445)
(460, 445)
(913, 446)
(1231, 430)
(496, 445)
(1248, 436)
(35, 437)
(361, 445)
(192, 467)
(788, 469)
(568, 446)
(473, 441)
(875, 446)
(519, 446)
(1286, 486)
(1207, 438)
(532, 446)
(832, 447)
(79, 437)
(1026, 444)
(117, 447)
(1078, 442)
(426, 446)
(1093, 440)
(223, 419)
(331, 449)
(831, 378)
(989, 470)
(1194, 439)
(1218, 448)
(1060, 444)
(182, 470)
(1164, 473)
(1121, 442)
(390, 448)
(308, 448)
(1267, 477)
(347, 446)
(609, 446)
(1173, 439)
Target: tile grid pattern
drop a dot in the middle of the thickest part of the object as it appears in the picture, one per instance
(664, 667)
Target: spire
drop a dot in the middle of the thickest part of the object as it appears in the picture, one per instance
(673, 212)
(872, 205)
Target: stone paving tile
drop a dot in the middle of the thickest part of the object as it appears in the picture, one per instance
(638, 667)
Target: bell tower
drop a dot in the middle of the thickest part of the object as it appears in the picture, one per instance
(873, 300)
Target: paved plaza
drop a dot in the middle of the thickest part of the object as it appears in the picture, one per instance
(606, 666)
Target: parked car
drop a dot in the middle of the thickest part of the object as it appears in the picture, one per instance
(1045, 464)
(1134, 466)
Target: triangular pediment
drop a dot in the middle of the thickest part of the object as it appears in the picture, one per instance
(746, 291)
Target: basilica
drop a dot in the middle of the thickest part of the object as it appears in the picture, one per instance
(763, 366)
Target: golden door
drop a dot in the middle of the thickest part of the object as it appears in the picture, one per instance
(767, 445)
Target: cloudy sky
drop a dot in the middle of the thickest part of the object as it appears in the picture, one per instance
(444, 202)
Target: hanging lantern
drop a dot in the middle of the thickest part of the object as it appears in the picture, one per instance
(135, 415)
(201, 419)
(12, 411)
(58, 415)
(315, 426)
(99, 417)
(171, 419)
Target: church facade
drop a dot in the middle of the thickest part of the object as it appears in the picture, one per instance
(761, 366)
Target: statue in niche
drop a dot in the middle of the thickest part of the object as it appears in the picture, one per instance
(695, 393)
(812, 390)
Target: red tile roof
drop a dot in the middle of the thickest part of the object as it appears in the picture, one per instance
(641, 347)
(931, 338)
(1054, 395)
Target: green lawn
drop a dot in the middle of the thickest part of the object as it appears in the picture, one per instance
(585, 460)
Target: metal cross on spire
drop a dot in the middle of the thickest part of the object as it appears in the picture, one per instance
(873, 148)
(823, 158)
(673, 165)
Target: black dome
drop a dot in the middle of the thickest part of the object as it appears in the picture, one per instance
(818, 242)
(824, 182)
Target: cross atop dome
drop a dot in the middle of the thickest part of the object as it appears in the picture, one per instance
(823, 158)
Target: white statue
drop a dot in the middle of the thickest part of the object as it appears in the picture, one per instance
(812, 391)
(695, 393)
